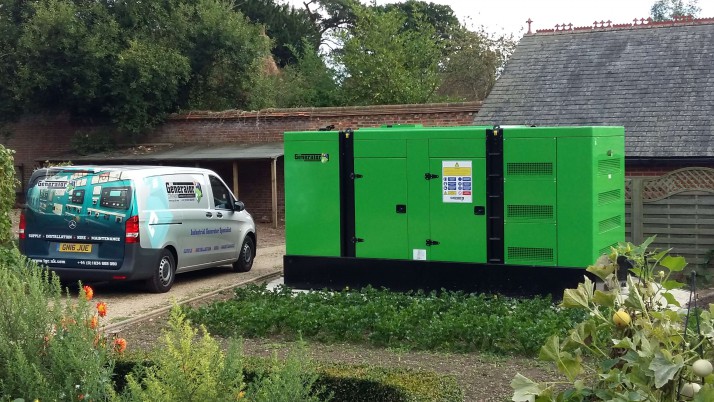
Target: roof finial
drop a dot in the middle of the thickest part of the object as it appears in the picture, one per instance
(529, 22)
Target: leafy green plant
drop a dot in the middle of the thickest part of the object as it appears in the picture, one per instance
(636, 345)
(448, 321)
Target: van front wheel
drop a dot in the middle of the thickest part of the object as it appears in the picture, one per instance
(247, 254)
(163, 275)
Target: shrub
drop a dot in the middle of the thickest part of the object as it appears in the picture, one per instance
(338, 382)
(48, 350)
(189, 366)
(448, 321)
(8, 184)
(376, 384)
(634, 346)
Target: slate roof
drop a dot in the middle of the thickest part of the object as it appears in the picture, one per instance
(656, 79)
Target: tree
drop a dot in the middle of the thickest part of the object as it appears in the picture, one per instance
(292, 30)
(385, 64)
(332, 16)
(663, 10)
(440, 17)
(473, 63)
(308, 82)
(127, 62)
(63, 56)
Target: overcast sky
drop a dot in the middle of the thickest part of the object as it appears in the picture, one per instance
(509, 16)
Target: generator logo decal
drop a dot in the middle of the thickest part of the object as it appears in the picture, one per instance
(184, 191)
(55, 184)
(324, 158)
(456, 182)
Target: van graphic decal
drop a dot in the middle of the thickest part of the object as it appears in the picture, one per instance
(197, 190)
(184, 191)
(54, 184)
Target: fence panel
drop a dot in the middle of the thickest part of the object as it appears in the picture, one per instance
(678, 208)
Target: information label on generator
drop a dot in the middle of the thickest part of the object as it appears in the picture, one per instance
(456, 181)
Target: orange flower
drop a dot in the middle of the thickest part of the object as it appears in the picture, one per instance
(88, 292)
(102, 309)
(80, 397)
(120, 345)
(94, 322)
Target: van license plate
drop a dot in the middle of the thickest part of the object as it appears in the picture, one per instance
(74, 248)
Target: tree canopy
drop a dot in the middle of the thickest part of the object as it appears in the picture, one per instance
(129, 63)
(663, 10)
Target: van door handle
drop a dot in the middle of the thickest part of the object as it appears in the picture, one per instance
(208, 214)
(220, 215)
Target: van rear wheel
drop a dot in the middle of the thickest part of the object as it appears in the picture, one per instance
(163, 275)
(247, 254)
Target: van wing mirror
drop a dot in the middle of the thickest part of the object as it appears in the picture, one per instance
(238, 206)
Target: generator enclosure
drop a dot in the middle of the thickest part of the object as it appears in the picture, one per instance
(432, 207)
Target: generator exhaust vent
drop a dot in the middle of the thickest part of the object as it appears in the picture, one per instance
(530, 254)
(529, 169)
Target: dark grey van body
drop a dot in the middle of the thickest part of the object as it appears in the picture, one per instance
(98, 223)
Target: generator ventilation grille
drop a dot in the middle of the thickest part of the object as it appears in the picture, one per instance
(608, 197)
(530, 211)
(529, 169)
(609, 224)
(530, 254)
(608, 166)
(606, 250)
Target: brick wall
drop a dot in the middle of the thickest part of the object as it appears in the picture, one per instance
(269, 125)
(659, 169)
(36, 138)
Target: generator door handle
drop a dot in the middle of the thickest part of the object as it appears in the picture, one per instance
(220, 215)
(208, 214)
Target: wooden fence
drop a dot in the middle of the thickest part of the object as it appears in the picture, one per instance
(678, 208)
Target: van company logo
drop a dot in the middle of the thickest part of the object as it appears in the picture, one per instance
(184, 191)
(324, 158)
(55, 184)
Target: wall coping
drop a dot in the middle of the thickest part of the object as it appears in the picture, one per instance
(311, 112)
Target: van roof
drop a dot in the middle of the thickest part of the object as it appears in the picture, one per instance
(132, 171)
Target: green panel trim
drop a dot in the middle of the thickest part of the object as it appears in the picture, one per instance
(530, 200)
(298, 136)
(382, 148)
(591, 204)
(457, 148)
(419, 225)
(461, 232)
(531, 243)
(378, 223)
(563, 132)
(312, 199)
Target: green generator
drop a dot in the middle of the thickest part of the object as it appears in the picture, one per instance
(509, 209)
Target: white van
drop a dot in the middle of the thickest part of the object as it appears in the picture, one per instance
(127, 223)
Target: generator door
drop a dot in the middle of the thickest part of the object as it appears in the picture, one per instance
(380, 208)
(458, 210)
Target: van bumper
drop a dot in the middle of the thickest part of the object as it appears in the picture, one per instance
(138, 264)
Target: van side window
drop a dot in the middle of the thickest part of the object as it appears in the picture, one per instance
(221, 195)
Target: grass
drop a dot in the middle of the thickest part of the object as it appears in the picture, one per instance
(444, 321)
